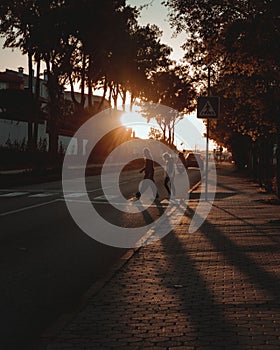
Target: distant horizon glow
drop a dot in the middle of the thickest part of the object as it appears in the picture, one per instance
(141, 127)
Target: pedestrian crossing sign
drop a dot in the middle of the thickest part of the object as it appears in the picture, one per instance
(208, 107)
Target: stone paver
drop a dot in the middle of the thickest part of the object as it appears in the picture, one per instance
(217, 288)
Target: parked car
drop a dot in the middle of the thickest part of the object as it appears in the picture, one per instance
(194, 160)
(181, 163)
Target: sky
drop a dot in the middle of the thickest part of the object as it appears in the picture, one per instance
(157, 14)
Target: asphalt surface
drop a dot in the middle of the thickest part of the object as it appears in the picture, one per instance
(46, 261)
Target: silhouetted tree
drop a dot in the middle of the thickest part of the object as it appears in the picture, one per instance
(240, 41)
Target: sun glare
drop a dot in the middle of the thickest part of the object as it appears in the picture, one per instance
(137, 123)
(190, 140)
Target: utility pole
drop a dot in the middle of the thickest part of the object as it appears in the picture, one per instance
(207, 141)
(208, 107)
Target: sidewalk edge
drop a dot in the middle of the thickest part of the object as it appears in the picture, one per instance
(50, 332)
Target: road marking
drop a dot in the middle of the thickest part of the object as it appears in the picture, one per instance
(165, 201)
(139, 204)
(100, 189)
(13, 194)
(89, 191)
(42, 195)
(108, 196)
(27, 208)
(75, 195)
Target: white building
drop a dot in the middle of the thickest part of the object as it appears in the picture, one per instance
(14, 127)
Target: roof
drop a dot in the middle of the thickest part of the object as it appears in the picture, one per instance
(95, 98)
(10, 77)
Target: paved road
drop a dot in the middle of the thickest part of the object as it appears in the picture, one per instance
(46, 261)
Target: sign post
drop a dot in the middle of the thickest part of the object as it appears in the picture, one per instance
(208, 107)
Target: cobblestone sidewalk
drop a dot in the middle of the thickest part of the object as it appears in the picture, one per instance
(217, 288)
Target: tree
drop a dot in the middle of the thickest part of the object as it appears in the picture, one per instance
(33, 27)
(155, 134)
(240, 41)
(50, 30)
(90, 42)
(172, 88)
(139, 53)
(15, 23)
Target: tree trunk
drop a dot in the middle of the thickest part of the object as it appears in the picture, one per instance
(30, 140)
(90, 71)
(30, 73)
(72, 91)
(173, 132)
(37, 97)
(115, 96)
(132, 98)
(278, 164)
(37, 86)
(110, 93)
(105, 88)
(83, 81)
(52, 123)
(53, 142)
(268, 164)
(124, 95)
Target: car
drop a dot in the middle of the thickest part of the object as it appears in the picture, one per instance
(181, 164)
(194, 160)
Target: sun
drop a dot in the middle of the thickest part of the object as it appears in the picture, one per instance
(137, 123)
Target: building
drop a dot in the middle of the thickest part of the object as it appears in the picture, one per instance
(11, 80)
(14, 116)
(14, 125)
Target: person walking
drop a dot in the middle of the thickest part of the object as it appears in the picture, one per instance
(148, 170)
(169, 173)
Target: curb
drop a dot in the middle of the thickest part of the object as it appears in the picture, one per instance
(50, 333)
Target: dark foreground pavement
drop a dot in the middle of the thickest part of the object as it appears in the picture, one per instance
(217, 288)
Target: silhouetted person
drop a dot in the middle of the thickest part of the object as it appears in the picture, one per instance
(148, 170)
(169, 173)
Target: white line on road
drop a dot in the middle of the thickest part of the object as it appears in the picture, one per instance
(136, 203)
(29, 207)
(13, 194)
(42, 195)
(108, 196)
(75, 195)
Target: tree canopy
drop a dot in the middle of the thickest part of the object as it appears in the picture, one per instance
(239, 42)
(97, 45)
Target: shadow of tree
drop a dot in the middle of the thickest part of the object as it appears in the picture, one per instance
(196, 301)
(236, 256)
(219, 195)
